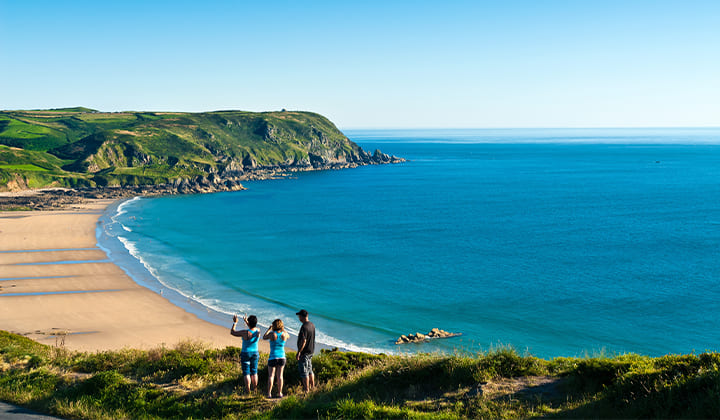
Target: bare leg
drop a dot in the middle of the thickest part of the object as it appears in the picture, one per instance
(254, 380)
(246, 379)
(271, 378)
(279, 374)
(306, 383)
(311, 381)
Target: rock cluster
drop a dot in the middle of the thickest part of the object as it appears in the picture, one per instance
(325, 159)
(57, 198)
(421, 338)
(379, 157)
(201, 184)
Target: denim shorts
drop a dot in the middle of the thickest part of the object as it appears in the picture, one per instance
(249, 363)
(305, 365)
(276, 362)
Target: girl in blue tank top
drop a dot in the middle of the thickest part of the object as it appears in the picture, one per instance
(277, 346)
(276, 361)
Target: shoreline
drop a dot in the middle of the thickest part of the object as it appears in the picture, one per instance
(135, 268)
(59, 287)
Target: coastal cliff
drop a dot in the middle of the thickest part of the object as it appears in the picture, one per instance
(167, 152)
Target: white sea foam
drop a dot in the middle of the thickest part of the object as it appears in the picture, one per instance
(132, 249)
(212, 304)
(336, 342)
(121, 208)
(224, 307)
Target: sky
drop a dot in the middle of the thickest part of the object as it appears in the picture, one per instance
(373, 64)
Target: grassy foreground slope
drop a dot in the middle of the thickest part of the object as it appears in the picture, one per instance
(80, 147)
(192, 382)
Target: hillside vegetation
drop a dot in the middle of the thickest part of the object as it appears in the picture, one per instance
(80, 147)
(191, 381)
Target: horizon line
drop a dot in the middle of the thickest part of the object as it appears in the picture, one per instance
(649, 127)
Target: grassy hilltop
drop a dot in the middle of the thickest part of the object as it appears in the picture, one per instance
(193, 382)
(80, 147)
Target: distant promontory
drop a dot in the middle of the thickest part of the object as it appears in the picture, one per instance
(167, 152)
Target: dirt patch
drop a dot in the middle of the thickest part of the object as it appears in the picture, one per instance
(549, 390)
(545, 388)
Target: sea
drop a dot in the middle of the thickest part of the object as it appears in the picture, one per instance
(555, 242)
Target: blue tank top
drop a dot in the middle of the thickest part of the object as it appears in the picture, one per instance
(251, 345)
(277, 347)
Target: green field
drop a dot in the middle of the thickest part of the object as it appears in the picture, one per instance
(22, 167)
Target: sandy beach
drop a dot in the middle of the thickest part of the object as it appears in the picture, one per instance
(59, 288)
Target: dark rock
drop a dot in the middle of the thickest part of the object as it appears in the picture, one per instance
(316, 160)
(380, 157)
(249, 162)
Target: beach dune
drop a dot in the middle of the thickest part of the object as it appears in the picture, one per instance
(59, 288)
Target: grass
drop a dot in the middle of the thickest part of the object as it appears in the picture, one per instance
(28, 134)
(22, 167)
(192, 381)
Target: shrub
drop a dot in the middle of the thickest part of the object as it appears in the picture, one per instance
(506, 362)
(332, 364)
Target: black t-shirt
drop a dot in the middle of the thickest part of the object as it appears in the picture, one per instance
(307, 331)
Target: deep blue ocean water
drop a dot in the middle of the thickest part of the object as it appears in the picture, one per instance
(557, 242)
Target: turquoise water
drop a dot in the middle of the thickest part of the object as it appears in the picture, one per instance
(558, 242)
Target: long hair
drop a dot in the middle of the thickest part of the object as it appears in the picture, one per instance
(278, 325)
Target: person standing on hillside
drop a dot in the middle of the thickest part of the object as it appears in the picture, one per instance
(276, 361)
(306, 348)
(249, 355)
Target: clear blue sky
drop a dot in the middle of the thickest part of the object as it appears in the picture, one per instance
(504, 63)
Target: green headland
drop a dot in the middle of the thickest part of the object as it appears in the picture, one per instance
(84, 148)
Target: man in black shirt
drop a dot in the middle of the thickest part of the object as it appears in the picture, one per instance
(306, 348)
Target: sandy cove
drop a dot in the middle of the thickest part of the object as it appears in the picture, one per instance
(56, 284)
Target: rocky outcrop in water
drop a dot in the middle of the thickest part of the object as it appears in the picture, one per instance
(421, 338)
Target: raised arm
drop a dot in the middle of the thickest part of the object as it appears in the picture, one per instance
(269, 334)
(235, 332)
